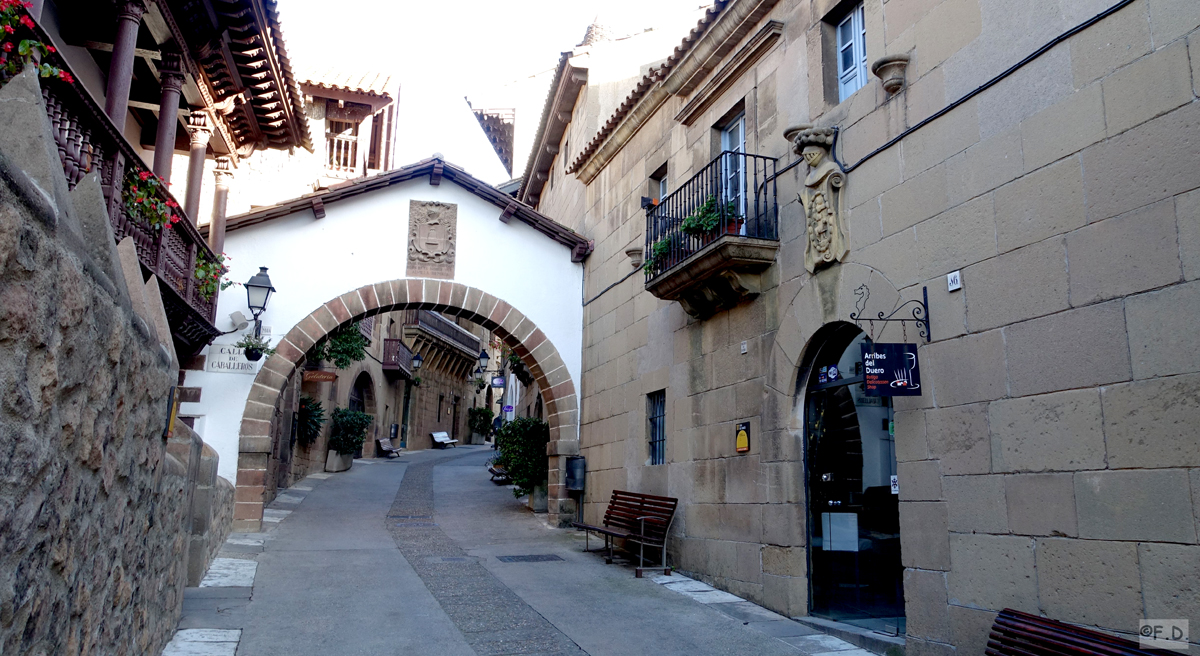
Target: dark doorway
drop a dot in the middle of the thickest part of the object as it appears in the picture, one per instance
(362, 399)
(854, 518)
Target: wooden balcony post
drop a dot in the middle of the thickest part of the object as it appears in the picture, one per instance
(216, 230)
(200, 132)
(168, 115)
(120, 71)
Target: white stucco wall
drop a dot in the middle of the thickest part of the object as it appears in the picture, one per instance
(364, 240)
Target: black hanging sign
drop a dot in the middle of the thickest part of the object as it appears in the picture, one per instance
(891, 369)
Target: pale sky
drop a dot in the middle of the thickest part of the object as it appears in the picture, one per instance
(497, 54)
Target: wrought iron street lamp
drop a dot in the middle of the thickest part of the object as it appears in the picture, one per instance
(416, 362)
(258, 294)
(484, 360)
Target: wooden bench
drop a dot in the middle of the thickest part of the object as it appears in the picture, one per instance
(441, 440)
(1020, 634)
(643, 519)
(385, 445)
(498, 471)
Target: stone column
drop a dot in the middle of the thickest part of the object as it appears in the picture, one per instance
(200, 132)
(216, 229)
(168, 115)
(120, 71)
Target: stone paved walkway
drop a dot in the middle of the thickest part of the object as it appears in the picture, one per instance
(414, 556)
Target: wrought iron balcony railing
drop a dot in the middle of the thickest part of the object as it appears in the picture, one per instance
(734, 194)
(88, 141)
(442, 327)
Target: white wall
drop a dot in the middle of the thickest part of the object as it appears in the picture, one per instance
(364, 240)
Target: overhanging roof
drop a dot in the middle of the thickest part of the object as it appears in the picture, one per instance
(437, 170)
(556, 116)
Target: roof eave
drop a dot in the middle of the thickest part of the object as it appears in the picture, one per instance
(556, 116)
(580, 246)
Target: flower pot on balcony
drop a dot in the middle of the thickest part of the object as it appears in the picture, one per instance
(734, 227)
(338, 462)
(253, 354)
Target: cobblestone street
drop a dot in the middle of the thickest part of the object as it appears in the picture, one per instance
(404, 556)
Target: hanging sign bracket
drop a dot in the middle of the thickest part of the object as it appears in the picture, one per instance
(919, 308)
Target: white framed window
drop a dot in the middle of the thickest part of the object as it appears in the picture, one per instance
(851, 53)
(733, 140)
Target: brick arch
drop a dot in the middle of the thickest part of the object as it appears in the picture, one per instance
(516, 330)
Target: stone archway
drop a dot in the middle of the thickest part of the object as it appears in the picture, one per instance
(824, 299)
(518, 332)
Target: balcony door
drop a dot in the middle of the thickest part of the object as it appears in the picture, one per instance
(733, 173)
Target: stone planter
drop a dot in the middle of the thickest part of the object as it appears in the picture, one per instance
(338, 462)
(537, 499)
(890, 70)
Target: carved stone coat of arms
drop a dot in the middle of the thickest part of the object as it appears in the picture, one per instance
(432, 234)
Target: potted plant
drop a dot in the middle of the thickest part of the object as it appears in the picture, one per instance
(312, 420)
(255, 347)
(660, 252)
(522, 445)
(479, 420)
(707, 219)
(348, 431)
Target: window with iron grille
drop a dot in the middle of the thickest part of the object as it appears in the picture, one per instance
(656, 416)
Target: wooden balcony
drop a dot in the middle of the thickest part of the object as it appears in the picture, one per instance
(707, 269)
(397, 359)
(443, 329)
(88, 141)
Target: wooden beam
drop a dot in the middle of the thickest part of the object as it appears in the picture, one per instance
(108, 47)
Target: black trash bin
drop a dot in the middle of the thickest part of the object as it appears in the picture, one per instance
(576, 472)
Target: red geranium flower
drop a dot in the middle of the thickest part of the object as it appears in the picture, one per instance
(27, 22)
(51, 49)
(144, 175)
(8, 46)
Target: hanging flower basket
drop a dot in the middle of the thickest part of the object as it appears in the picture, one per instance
(255, 347)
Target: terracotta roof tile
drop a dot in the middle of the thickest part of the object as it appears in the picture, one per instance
(579, 245)
(368, 82)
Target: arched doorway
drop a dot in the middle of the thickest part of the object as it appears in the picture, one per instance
(362, 399)
(853, 510)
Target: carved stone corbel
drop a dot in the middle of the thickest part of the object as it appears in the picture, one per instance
(823, 197)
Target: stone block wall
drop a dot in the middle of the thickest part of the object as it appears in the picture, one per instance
(93, 507)
(1051, 464)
